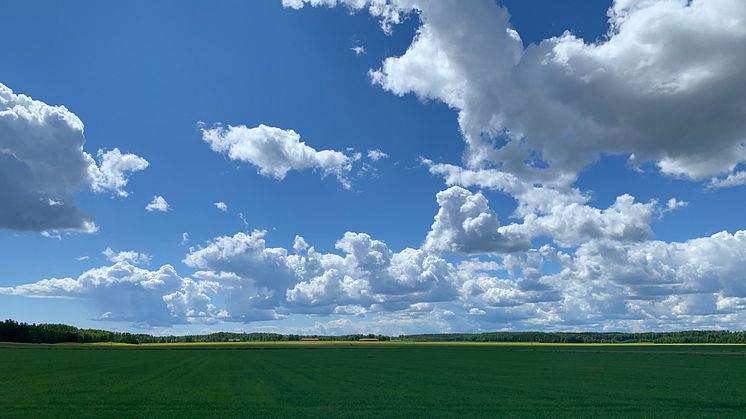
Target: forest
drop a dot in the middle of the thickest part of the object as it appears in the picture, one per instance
(687, 336)
(13, 331)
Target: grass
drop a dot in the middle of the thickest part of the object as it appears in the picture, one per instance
(336, 379)
(312, 344)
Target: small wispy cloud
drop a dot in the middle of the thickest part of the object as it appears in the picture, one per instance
(377, 154)
(129, 256)
(158, 204)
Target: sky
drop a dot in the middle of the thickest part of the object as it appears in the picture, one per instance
(373, 166)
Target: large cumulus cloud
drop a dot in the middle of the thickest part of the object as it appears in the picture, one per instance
(241, 279)
(125, 292)
(465, 224)
(368, 273)
(42, 164)
(606, 284)
(655, 284)
(666, 85)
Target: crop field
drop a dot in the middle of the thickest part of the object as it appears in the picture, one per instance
(339, 379)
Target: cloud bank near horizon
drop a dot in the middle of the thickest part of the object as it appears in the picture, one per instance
(609, 282)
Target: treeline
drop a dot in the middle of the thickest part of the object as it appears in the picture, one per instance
(690, 336)
(259, 337)
(12, 331)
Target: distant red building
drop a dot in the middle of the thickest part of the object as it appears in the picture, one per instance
(308, 339)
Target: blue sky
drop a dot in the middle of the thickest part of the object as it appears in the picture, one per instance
(458, 104)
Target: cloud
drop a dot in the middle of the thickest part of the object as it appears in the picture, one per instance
(389, 13)
(358, 50)
(51, 234)
(241, 279)
(611, 285)
(331, 287)
(130, 256)
(222, 206)
(113, 169)
(624, 220)
(43, 164)
(669, 285)
(299, 244)
(521, 286)
(158, 204)
(129, 293)
(375, 155)
(370, 276)
(732, 180)
(466, 225)
(559, 212)
(666, 84)
(253, 277)
(245, 255)
(276, 151)
(532, 195)
(368, 273)
(243, 219)
(604, 285)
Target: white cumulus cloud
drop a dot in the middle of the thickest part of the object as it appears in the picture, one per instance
(276, 151)
(129, 293)
(666, 84)
(465, 224)
(113, 169)
(43, 164)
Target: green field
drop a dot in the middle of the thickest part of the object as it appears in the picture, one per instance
(343, 380)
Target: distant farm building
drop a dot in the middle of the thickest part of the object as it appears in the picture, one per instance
(368, 339)
(309, 339)
(234, 340)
